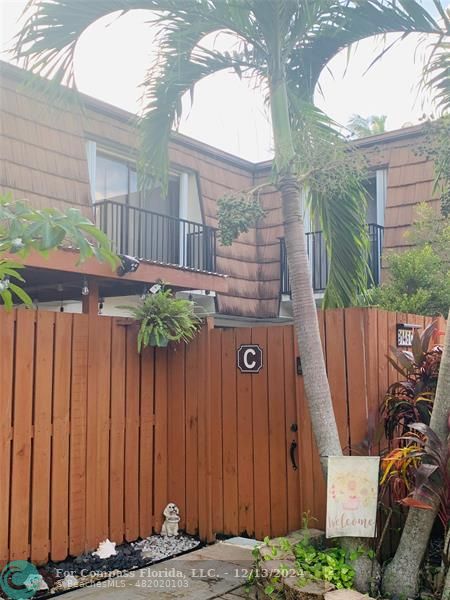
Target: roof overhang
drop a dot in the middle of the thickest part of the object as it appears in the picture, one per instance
(180, 278)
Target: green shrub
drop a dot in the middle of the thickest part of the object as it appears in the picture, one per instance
(418, 279)
(329, 565)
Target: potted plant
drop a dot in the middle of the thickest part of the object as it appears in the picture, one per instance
(163, 318)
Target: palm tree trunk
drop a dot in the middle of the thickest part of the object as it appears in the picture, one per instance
(402, 574)
(307, 326)
(304, 307)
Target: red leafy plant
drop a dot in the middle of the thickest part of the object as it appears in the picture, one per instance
(408, 402)
(431, 475)
(411, 400)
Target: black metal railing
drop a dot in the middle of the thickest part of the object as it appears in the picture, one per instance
(318, 259)
(152, 236)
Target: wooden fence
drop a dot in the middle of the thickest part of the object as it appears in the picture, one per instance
(95, 439)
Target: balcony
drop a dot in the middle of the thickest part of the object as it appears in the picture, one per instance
(151, 236)
(318, 259)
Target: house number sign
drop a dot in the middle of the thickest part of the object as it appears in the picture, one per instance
(405, 334)
(250, 358)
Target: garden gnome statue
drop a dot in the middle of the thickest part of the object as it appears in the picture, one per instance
(172, 518)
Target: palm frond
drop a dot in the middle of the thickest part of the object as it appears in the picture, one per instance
(181, 64)
(333, 172)
(343, 24)
(53, 28)
(436, 77)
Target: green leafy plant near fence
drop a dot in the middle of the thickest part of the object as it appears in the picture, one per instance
(163, 318)
(309, 563)
(24, 229)
(418, 278)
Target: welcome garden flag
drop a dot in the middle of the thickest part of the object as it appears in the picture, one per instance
(352, 496)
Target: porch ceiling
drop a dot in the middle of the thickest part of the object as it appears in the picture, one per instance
(180, 278)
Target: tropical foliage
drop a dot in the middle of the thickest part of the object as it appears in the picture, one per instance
(24, 229)
(431, 477)
(163, 318)
(311, 564)
(406, 403)
(435, 147)
(418, 278)
(236, 214)
(437, 70)
(360, 127)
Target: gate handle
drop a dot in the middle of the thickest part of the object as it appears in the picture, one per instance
(292, 453)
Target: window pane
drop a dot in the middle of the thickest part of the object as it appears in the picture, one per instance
(133, 181)
(111, 178)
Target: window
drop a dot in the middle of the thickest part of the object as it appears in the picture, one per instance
(113, 179)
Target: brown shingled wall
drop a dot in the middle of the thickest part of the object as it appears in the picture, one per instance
(42, 150)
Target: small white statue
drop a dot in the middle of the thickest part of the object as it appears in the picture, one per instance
(172, 518)
(106, 549)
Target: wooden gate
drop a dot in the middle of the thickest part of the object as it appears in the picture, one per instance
(95, 439)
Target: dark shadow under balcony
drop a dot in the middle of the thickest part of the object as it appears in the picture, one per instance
(151, 236)
(318, 259)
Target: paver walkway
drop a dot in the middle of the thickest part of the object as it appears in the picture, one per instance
(216, 571)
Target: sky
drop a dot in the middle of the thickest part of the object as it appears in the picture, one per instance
(113, 55)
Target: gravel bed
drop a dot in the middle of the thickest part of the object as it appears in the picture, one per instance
(86, 569)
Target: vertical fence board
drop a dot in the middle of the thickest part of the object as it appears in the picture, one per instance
(176, 433)
(60, 446)
(277, 432)
(92, 532)
(204, 445)
(117, 445)
(383, 350)
(372, 391)
(318, 477)
(356, 373)
(6, 408)
(245, 442)
(391, 341)
(43, 384)
(103, 423)
(22, 436)
(336, 367)
(294, 511)
(77, 490)
(192, 437)
(161, 441)
(216, 429)
(132, 437)
(261, 456)
(146, 443)
(230, 458)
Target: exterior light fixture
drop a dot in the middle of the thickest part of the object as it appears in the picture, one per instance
(85, 288)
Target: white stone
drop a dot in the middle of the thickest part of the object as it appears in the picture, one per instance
(172, 518)
(69, 581)
(105, 549)
(36, 583)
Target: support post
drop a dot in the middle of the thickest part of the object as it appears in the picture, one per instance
(90, 302)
